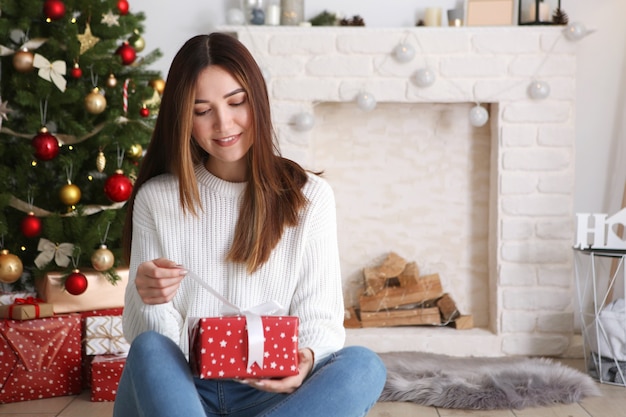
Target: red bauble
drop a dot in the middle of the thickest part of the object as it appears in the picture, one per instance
(127, 53)
(46, 145)
(144, 112)
(122, 6)
(54, 9)
(76, 283)
(31, 225)
(118, 187)
(76, 72)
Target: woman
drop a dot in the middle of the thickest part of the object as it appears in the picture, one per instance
(215, 198)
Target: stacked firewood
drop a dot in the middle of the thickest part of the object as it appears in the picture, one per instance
(395, 294)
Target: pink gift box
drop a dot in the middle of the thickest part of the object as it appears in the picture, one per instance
(219, 347)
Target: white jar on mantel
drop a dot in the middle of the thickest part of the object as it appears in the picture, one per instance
(272, 13)
(291, 12)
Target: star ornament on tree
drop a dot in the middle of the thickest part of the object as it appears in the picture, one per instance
(110, 19)
(87, 40)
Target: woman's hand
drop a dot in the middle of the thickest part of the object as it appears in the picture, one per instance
(288, 384)
(157, 281)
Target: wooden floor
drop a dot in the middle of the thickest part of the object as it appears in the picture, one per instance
(611, 404)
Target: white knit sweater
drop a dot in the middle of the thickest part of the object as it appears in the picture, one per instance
(302, 274)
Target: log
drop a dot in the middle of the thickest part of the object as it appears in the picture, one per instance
(448, 309)
(351, 319)
(428, 287)
(410, 275)
(374, 280)
(401, 317)
(463, 322)
(392, 266)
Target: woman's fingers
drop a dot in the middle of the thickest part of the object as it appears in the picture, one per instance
(157, 281)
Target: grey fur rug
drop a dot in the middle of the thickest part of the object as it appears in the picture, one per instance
(482, 383)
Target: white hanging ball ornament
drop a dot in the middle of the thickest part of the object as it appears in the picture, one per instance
(304, 121)
(538, 90)
(424, 77)
(575, 31)
(478, 116)
(366, 101)
(235, 17)
(404, 52)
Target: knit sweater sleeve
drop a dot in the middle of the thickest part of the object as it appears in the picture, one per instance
(140, 317)
(318, 299)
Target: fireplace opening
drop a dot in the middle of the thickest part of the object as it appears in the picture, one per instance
(413, 178)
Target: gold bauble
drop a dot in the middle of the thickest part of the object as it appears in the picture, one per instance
(111, 81)
(23, 60)
(69, 194)
(95, 103)
(102, 259)
(135, 151)
(137, 42)
(101, 161)
(11, 267)
(158, 84)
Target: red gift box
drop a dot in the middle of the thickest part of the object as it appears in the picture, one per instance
(106, 371)
(40, 358)
(86, 362)
(219, 347)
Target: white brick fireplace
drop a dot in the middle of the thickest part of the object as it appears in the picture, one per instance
(488, 208)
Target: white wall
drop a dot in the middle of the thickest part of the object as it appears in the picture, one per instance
(601, 79)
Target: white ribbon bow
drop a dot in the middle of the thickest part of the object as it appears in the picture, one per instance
(52, 72)
(61, 253)
(254, 324)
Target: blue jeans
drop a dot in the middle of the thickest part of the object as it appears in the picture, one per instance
(157, 381)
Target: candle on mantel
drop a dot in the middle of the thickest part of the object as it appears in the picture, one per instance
(272, 15)
(544, 12)
(432, 16)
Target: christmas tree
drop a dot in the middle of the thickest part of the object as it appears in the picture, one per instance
(77, 105)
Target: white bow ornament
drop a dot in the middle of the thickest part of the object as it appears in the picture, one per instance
(61, 253)
(52, 72)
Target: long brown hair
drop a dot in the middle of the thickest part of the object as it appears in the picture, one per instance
(273, 196)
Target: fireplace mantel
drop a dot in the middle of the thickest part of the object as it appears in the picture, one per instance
(527, 307)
